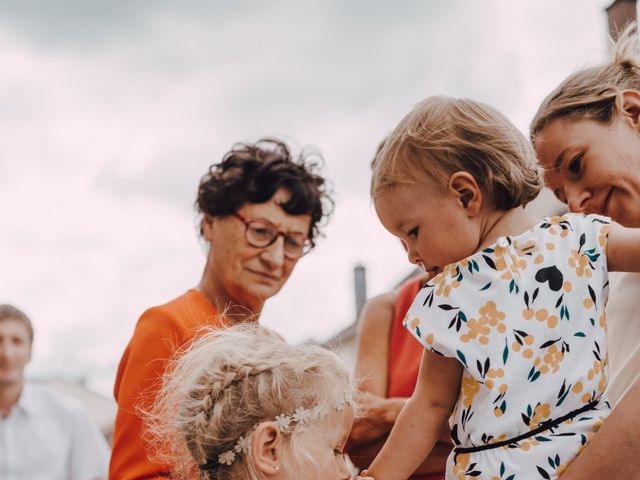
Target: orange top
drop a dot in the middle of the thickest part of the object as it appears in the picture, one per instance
(159, 333)
(405, 354)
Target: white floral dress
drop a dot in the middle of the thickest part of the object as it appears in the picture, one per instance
(525, 317)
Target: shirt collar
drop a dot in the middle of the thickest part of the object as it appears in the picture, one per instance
(27, 402)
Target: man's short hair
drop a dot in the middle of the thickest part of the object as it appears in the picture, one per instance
(10, 312)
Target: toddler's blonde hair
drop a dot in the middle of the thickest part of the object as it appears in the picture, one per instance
(228, 381)
(596, 92)
(443, 135)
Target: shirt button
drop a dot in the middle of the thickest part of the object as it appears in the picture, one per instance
(503, 242)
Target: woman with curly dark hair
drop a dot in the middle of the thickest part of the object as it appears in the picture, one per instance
(261, 210)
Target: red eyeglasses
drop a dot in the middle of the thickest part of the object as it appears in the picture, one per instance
(261, 233)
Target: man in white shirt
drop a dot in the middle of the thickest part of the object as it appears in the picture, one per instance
(43, 435)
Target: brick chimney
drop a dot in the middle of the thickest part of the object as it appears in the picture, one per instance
(619, 13)
(360, 286)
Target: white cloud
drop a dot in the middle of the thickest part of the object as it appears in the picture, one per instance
(107, 128)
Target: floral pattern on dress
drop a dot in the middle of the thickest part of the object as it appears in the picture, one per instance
(525, 317)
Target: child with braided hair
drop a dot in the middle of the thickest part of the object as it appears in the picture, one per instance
(240, 403)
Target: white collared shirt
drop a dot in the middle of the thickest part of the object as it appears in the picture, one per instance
(47, 436)
(623, 331)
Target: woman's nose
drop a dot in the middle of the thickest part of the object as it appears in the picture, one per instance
(274, 253)
(577, 198)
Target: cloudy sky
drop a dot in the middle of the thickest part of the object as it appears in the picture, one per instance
(111, 111)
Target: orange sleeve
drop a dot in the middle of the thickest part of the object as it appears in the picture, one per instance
(154, 341)
(405, 353)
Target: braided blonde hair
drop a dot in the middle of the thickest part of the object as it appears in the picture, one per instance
(596, 92)
(228, 381)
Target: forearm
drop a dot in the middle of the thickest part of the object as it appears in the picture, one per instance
(410, 441)
(613, 452)
(363, 455)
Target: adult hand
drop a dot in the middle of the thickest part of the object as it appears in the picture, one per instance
(378, 416)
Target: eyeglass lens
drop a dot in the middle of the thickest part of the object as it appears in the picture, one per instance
(261, 234)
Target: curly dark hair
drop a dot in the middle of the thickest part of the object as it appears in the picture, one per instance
(252, 173)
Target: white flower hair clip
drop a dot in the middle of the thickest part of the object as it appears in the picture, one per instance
(347, 400)
(285, 423)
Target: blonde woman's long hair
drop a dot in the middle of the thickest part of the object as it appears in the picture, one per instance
(596, 92)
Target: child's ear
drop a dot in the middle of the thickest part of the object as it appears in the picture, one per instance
(631, 107)
(467, 192)
(266, 449)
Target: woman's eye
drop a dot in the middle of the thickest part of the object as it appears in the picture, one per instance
(294, 241)
(261, 232)
(413, 232)
(575, 164)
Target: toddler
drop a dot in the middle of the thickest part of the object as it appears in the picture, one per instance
(240, 403)
(513, 323)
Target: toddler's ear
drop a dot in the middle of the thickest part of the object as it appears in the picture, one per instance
(266, 448)
(464, 187)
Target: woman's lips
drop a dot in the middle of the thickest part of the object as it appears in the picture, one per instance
(264, 275)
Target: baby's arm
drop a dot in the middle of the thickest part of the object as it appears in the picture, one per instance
(421, 420)
(623, 249)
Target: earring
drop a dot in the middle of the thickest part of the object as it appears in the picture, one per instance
(275, 467)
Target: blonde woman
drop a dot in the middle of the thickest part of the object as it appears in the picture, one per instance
(587, 135)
